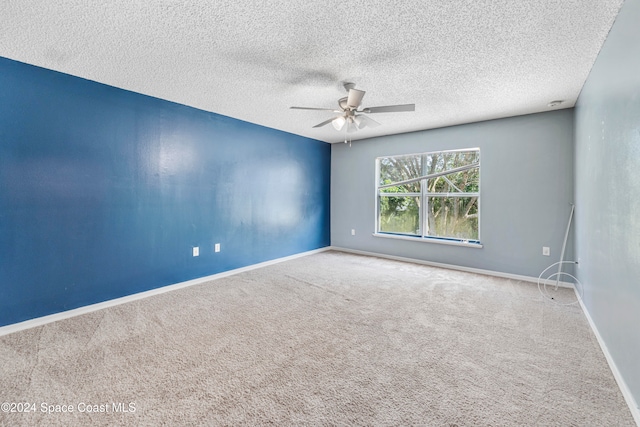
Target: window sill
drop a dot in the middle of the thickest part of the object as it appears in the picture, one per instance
(430, 240)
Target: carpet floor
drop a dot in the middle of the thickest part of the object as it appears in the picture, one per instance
(329, 339)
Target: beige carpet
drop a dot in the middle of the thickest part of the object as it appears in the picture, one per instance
(327, 339)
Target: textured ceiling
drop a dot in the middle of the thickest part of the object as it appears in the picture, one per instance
(458, 61)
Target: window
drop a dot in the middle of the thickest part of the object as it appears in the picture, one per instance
(434, 196)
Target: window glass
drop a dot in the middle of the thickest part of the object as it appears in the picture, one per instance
(430, 195)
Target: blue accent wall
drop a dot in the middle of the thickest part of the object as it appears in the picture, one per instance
(104, 192)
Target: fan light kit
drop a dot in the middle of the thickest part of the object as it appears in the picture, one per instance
(351, 116)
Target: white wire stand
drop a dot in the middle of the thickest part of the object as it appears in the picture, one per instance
(543, 283)
(548, 282)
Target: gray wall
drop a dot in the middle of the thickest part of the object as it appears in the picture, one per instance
(607, 181)
(526, 188)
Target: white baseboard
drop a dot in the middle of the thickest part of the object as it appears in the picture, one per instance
(39, 321)
(624, 389)
(628, 397)
(452, 266)
(32, 323)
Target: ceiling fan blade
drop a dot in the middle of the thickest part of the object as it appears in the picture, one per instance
(355, 98)
(312, 108)
(367, 121)
(326, 122)
(390, 109)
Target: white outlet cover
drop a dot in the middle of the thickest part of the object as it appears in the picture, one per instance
(196, 251)
(353, 231)
(217, 247)
(546, 251)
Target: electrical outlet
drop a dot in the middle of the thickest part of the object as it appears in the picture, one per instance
(217, 247)
(196, 251)
(546, 251)
(353, 231)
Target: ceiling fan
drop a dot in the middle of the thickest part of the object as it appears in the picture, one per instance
(351, 116)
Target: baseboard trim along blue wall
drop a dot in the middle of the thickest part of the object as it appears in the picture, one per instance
(105, 192)
(40, 321)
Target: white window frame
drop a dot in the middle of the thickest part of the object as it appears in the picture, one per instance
(424, 197)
